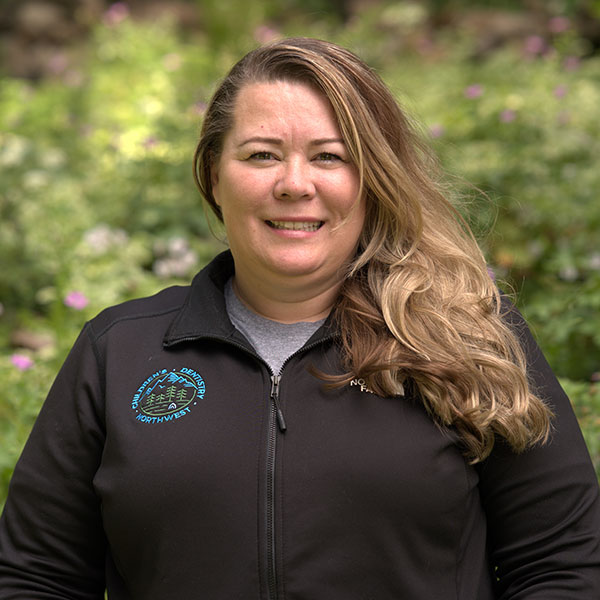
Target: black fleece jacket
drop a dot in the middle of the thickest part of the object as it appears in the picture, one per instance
(169, 463)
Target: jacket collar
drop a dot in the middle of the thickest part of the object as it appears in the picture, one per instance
(204, 314)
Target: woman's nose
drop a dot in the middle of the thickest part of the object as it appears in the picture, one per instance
(295, 181)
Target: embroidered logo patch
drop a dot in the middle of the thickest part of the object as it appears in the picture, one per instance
(168, 395)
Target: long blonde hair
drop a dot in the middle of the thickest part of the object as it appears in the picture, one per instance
(418, 307)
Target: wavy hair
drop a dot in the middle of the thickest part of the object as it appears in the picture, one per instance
(418, 306)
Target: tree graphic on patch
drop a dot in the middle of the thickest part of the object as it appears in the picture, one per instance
(168, 395)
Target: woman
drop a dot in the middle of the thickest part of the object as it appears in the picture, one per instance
(339, 407)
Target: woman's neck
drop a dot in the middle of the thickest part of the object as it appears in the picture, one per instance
(287, 304)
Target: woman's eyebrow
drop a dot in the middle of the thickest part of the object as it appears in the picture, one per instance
(262, 140)
(279, 142)
(322, 141)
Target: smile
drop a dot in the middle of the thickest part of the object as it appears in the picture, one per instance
(295, 225)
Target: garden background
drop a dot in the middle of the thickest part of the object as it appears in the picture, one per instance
(100, 109)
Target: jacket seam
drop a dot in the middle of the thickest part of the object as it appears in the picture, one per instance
(462, 542)
(133, 318)
(99, 362)
(200, 334)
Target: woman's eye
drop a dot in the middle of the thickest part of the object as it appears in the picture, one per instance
(328, 157)
(261, 156)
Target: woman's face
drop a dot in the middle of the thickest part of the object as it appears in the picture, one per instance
(286, 187)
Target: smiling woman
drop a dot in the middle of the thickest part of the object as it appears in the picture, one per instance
(289, 198)
(340, 406)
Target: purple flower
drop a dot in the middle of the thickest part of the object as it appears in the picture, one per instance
(264, 34)
(76, 300)
(58, 63)
(474, 91)
(534, 44)
(150, 142)
(436, 130)
(21, 361)
(508, 116)
(491, 273)
(116, 13)
(560, 91)
(425, 45)
(571, 63)
(199, 108)
(559, 24)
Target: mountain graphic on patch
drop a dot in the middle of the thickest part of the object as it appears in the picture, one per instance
(168, 394)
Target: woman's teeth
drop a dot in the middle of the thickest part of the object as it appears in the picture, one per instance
(296, 225)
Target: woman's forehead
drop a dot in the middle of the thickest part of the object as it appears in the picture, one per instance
(270, 108)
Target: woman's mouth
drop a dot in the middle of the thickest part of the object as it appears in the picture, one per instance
(295, 225)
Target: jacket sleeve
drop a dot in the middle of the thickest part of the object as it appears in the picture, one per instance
(543, 506)
(52, 544)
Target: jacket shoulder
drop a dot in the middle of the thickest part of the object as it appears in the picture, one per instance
(169, 300)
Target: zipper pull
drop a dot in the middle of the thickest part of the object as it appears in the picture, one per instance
(275, 379)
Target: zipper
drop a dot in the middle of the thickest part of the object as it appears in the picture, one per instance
(275, 379)
(275, 418)
(276, 421)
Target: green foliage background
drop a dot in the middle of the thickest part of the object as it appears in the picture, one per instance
(96, 193)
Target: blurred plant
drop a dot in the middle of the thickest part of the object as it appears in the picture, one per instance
(586, 401)
(527, 135)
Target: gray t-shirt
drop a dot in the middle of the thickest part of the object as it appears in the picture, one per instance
(274, 342)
